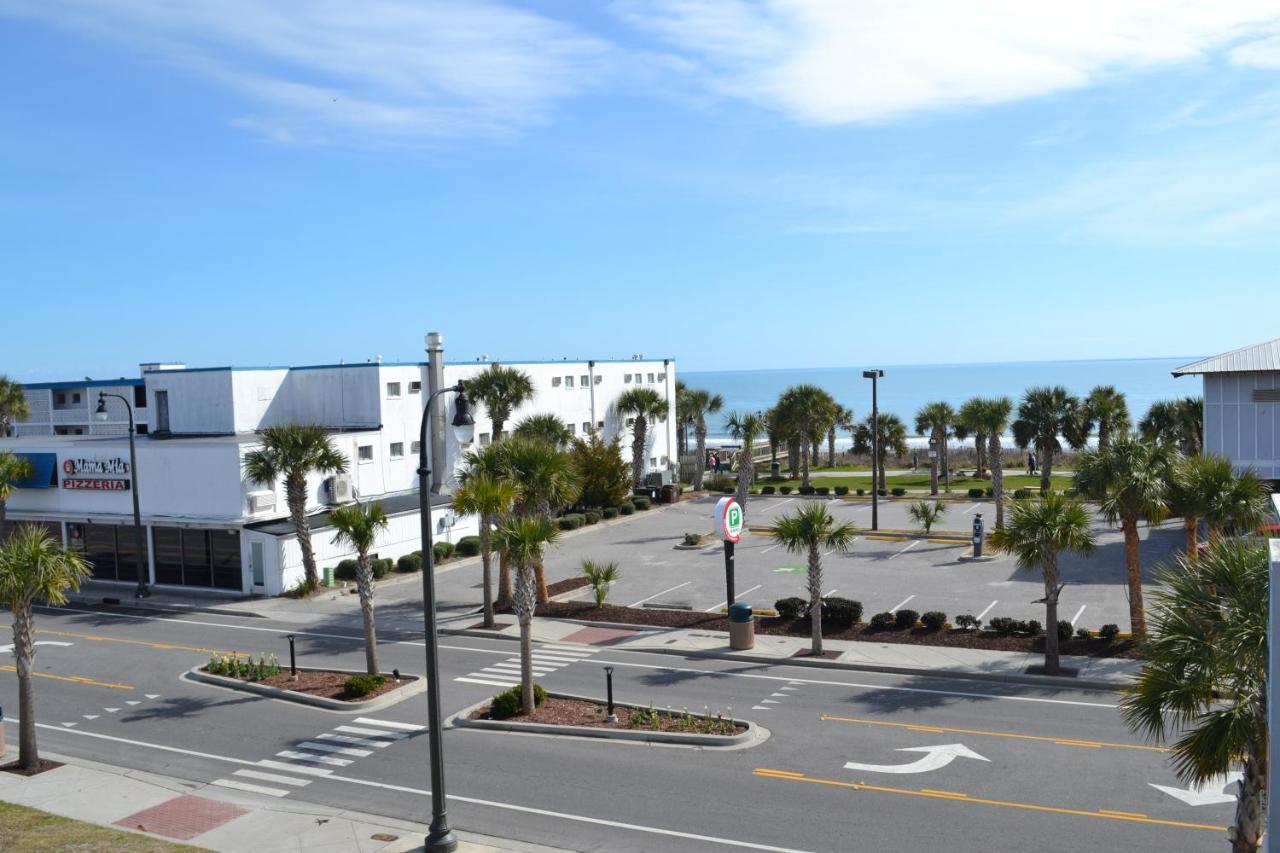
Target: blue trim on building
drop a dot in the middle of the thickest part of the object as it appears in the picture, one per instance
(92, 383)
(513, 363)
(43, 471)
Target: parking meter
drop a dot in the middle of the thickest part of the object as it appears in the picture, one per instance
(977, 534)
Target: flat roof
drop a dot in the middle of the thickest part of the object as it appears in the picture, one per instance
(86, 383)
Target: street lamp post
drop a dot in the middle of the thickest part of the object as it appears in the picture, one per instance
(440, 839)
(874, 376)
(1273, 699)
(142, 591)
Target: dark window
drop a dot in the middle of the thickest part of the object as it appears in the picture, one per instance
(196, 570)
(168, 544)
(139, 396)
(100, 550)
(142, 429)
(225, 547)
(126, 559)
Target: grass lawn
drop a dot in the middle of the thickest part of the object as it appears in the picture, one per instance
(34, 831)
(921, 481)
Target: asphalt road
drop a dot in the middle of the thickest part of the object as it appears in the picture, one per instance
(1057, 768)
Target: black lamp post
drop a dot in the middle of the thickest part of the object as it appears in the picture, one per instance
(142, 591)
(440, 839)
(874, 376)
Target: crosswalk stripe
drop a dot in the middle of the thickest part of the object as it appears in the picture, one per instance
(294, 768)
(490, 683)
(392, 724)
(356, 730)
(583, 651)
(253, 789)
(499, 669)
(358, 741)
(555, 658)
(272, 777)
(338, 750)
(318, 759)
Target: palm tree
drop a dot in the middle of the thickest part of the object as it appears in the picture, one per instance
(34, 569)
(13, 405)
(893, 436)
(1176, 422)
(970, 421)
(926, 515)
(775, 429)
(807, 411)
(1237, 505)
(358, 526)
(1037, 532)
(937, 419)
(526, 537)
(809, 530)
(1105, 408)
(546, 427)
(646, 404)
(1129, 480)
(293, 451)
(745, 427)
(490, 498)
(1205, 676)
(12, 469)
(699, 404)
(995, 420)
(684, 416)
(1043, 415)
(843, 420)
(546, 480)
(502, 390)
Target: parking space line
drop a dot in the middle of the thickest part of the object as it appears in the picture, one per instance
(738, 595)
(987, 609)
(901, 604)
(1077, 616)
(829, 593)
(971, 509)
(771, 547)
(656, 594)
(774, 505)
(913, 544)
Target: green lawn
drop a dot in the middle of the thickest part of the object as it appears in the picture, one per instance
(34, 831)
(914, 482)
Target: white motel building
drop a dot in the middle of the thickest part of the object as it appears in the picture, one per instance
(206, 525)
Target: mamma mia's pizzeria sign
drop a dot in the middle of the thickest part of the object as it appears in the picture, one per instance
(100, 475)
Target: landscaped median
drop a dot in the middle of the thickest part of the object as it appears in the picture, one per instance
(331, 689)
(584, 716)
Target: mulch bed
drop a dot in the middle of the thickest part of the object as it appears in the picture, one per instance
(44, 765)
(557, 588)
(955, 637)
(329, 685)
(580, 712)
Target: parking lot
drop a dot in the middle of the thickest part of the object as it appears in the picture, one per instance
(882, 574)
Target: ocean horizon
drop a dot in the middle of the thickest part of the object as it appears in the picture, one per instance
(905, 389)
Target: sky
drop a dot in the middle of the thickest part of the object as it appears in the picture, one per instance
(734, 184)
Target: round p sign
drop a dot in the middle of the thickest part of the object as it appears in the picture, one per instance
(729, 519)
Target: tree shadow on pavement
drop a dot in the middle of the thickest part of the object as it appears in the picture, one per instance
(183, 707)
(915, 694)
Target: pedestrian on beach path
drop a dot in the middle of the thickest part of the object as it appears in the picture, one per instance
(1031, 464)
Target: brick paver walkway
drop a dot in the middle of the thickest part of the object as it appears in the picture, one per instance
(182, 818)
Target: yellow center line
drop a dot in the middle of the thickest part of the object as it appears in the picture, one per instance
(1129, 817)
(1121, 814)
(74, 679)
(163, 646)
(1014, 735)
(955, 794)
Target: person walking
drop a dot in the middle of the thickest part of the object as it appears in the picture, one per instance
(1031, 463)
(915, 461)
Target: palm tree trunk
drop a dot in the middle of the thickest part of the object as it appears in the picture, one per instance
(997, 477)
(1104, 434)
(1250, 808)
(24, 652)
(699, 433)
(499, 426)
(505, 598)
(1133, 566)
(746, 473)
(1046, 469)
(1192, 528)
(793, 457)
(364, 586)
(831, 448)
(933, 464)
(980, 449)
(526, 600)
(815, 600)
(486, 563)
(883, 458)
(3, 511)
(804, 463)
(296, 497)
(1051, 660)
(540, 581)
(945, 452)
(637, 455)
(815, 454)
(773, 452)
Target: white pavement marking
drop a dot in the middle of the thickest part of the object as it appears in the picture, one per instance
(356, 730)
(465, 680)
(761, 708)
(514, 669)
(563, 647)
(768, 701)
(306, 756)
(770, 548)
(281, 765)
(1078, 614)
(783, 695)
(69, 725)
(736, 595)
(971, 509)
(556, 659)
(391, 724)
(272, 777)
(153, 695)
(358, 741)
(987, 609)
(934, 758)
(111, 710)
(774, 505)
(251, 788)
(336, 750)
(656, 594)
(829, 593)
(913, 544)
(132, 702)
(901, 604)
(90, 716)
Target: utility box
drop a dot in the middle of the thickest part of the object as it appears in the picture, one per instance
(658, 479)
(742, 627)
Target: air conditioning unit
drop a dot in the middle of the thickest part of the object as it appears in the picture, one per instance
(261, 501)
(338, 489)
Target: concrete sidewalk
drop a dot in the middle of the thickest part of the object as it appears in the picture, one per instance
(904, 658)
(219, 818)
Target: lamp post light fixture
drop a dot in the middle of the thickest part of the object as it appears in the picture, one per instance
(140, 554)
(874, 376)
(440, 838)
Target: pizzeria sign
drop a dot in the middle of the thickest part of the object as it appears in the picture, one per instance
(104, 475)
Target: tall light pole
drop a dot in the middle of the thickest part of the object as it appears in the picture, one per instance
(440, 838)
(140, 555)
(1273, 694)
(874, 376)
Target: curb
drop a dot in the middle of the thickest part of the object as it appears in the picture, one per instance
(392, 697)
(753, 736)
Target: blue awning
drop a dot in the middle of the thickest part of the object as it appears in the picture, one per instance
(43, 471)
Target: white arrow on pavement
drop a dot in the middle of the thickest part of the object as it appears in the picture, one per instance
(1207, 793)
(935, 757)
(9, 648)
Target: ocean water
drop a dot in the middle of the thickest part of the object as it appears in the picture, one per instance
(905, 389)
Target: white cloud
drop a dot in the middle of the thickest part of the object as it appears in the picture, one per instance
(842, 61)
(383, 69)
(1259, 53)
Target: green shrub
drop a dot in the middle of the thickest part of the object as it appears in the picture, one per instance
(975, 493)
(1021, 494)
(1065, 630)
(786, 490)
(627, 508)
(442, 550)
(934, 620)
(692, 539)
(898, 491)
(991, 493)
(841, 612)
(641, 502)
(718, 484)
(362, 685)
(1002, 625)
(1032, 627)
(882, 492)
(968, 621)
(610, 512)
(410, 563)
(806, 490)
(510, 702)
(791, 608)
(1072, 493)
(1109, 631)
(231, 666)
(383, 567)
(468, 546)
(861, 492)
(904, 619)
(571, 521)
(767, 490)
(600, 576)
(822, 491)
(842, 490)
(1083, 634)
(592, 516)
(346, 570)
(881, 622)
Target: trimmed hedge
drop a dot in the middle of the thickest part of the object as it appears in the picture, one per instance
(786, 490)
(511, 702)
(592, 516)
(861, 492)
(1021, 494)
(842, 490)
(627, 508)
(362, 685)
(345, 570)
(975, 493)
(644, 503)
(934, 620)
(383, 567)
(1065, 630)
(468, 546)
(822, 491)
(1109, 631)
(442, 550)
(806, 490)
(409, 563)
(572, 521)
(904, 619)
(767, 490)
(881, 622)
(898, 491)
(610, 512)
(841, 612)
(791, 607)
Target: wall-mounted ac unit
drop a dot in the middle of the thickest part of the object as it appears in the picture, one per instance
(337, 489)
(261, 501)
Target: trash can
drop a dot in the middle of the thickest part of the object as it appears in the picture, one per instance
(670, 494)
(775, 469)
(327, 580)
(742, 626)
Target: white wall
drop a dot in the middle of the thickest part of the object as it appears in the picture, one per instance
(200, 401)
(1246, 432)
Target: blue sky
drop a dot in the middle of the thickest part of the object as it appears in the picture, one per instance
(917, 181)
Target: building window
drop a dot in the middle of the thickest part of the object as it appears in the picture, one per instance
(415, 447)
(568, 382)
(586, 427)
(365, 452)
(599, 424)
(653, 462)
(626, 377)
(555, 381)
(662, 377)
(139, 396)
(584, 380)
(664, 461)
(59, 399)
(484, 439)
(573, 429)
(397, 450)
(415, 387)
(599, 379)
(630, 421)
(650, 377)
(141, 428)
(393, 390)
(75, 398)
